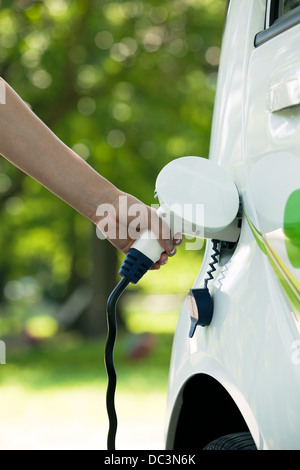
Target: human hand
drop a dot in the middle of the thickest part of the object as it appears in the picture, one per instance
(126, 218)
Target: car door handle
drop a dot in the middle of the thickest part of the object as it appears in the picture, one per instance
(284, 94)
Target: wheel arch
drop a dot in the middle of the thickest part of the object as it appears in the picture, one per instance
(203, 411)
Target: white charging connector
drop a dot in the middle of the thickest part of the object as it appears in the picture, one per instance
(198, 198)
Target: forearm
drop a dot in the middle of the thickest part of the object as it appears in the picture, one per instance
(31, 146)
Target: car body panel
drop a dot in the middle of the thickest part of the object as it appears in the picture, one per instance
(252, 345)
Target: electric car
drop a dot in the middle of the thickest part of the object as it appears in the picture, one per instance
(235, 383)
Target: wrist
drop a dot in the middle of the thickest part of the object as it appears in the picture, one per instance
(108, 197)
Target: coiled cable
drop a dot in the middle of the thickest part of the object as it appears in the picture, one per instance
(215, 260)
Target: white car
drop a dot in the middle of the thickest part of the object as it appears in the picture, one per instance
(235, 384)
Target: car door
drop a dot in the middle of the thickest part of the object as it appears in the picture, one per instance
(272, 145)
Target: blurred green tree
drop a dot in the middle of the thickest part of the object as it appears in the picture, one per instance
(129, 85)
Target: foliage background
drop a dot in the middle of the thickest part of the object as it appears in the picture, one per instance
(129, 86)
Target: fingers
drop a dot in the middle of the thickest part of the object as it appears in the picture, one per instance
(172, 244)
(176, 241)
(156, 266)
(167, 244)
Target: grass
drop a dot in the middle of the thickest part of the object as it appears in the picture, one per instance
(53, 395)
(71, 361)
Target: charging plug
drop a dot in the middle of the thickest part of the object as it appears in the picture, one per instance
(143, 254)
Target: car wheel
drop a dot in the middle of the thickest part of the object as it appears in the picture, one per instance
(237, 441)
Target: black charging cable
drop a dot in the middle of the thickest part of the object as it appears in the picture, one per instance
(109, 361)
(135, 265)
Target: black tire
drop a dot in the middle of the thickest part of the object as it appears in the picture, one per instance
(237, 441)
